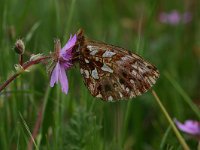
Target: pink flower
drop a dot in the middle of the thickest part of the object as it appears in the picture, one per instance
(64, 63)
(174, 17)
(190, 126)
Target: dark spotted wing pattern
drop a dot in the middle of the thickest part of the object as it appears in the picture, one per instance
(113, 73)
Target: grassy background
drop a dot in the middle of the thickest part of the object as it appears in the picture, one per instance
(79, 121)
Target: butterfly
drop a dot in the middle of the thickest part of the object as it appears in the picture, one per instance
(112, 73)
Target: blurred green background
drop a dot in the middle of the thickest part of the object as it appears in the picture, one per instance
(28, 106)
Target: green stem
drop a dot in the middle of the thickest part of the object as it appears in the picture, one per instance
(71, 11)
(177, 133)
(181, 91)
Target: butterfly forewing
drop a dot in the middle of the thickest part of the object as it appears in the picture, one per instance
(113, 73)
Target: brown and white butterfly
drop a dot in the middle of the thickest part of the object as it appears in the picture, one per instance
(112, 73)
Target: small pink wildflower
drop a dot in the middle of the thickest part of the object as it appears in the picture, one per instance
(189, 126)
(174, 17)
(64, 63)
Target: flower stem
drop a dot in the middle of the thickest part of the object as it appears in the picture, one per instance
(25, 66)
(177, 133)
(9, 81)
(21, 60)
(198, 147)
(36, 128)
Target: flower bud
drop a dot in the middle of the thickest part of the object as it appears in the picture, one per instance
(19, 47)
(35, 57)
(20, 68)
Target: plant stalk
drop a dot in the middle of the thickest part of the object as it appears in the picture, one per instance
(177, 133)
(25, 67)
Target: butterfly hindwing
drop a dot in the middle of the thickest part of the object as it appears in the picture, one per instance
(113, 73)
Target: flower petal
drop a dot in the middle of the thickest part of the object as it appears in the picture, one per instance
(54, 75)
(67, 64)
(71, 42)
(190, 127)
(63, 80)
(174, 18)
